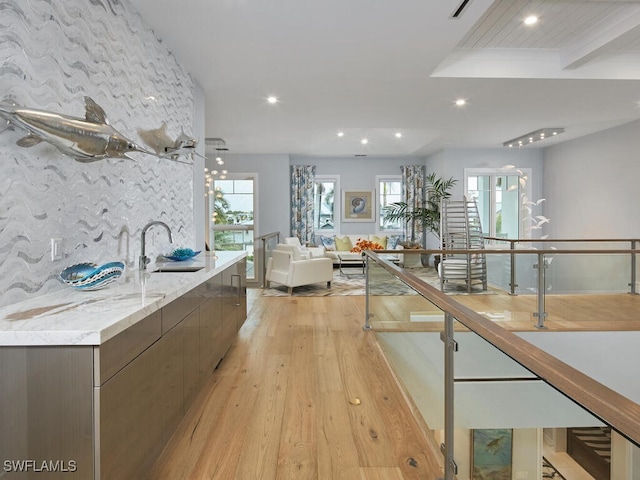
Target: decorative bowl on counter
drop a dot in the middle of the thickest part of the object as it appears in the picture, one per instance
(181, 254)
(89, 276)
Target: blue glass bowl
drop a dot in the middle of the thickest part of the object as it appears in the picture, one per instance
(89, 276)
(181, 254)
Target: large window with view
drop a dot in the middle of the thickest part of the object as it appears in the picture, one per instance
(389, 191)
(325, 202)
(231, 207)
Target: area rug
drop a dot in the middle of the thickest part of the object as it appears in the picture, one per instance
(354, 284)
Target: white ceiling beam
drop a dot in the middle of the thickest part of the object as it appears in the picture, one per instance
(609, 34)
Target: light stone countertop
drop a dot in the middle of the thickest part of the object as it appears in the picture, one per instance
(74, 317)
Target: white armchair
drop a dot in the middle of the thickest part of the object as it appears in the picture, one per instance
(283, 268)
(305, 252)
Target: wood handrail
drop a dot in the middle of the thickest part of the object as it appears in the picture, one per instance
(562, 240)
(622, 414)
(494, 251)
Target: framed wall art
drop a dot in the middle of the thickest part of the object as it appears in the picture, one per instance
(358, 205)
(491, 453)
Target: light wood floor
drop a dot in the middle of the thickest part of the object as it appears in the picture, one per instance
(616, 312)
(304, 393)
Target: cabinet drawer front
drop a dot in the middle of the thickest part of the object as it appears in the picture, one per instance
(114, 354)
(177, 310)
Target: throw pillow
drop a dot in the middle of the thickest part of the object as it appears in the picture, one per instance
(380, 240)
(328, 243)
(343, 244)
(393, 241)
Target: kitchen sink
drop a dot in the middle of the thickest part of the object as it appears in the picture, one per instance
(177, 269)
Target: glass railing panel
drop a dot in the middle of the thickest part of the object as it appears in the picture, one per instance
(241, 238)
(267, 244)
(508, 422)
(499, 270)
(408, 328)
(395, 306)
(588, 273)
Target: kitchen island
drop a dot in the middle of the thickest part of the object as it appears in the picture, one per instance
(93, 384)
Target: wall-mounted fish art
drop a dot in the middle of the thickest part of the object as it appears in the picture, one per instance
(85, 139)
(165, 147)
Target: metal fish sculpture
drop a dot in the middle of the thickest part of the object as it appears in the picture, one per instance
(165, 147)
(86, 139)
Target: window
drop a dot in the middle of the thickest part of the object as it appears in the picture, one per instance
(389, 191)
(499, 195)
(325, 203)
(231, 206)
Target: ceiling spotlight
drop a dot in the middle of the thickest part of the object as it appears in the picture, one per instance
(531, 20)
(341, 134)
(532, 137)
(364, 141)
(461, 102)
(272, 100)
(398, 135)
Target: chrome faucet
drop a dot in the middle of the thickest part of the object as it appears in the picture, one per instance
(143, 261)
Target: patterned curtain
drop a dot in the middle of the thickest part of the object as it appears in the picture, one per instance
(302, 202)
(413, 194)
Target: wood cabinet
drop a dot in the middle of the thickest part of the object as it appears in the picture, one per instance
(234, 300)
(210, 341)
(177, 349)
(138, 408)
(46, 414)
(107, 411)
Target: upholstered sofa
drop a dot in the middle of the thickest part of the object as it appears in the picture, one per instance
(333, 245)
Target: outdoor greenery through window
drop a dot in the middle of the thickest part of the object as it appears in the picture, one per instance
(232, 209)
(233, 202)
(325, 207)
(389, 191)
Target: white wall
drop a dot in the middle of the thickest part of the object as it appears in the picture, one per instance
(591, 185)
(452, 162)
(360, 173)
(273, 183)
(273, 188)
(357, 173)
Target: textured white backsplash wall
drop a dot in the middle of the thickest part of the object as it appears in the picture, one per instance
(52, 54)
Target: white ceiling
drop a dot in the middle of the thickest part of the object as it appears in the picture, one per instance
(371, 68)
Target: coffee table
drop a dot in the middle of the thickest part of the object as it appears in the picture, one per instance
(350, 259)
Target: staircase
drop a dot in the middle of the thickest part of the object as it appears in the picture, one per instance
(460, 229)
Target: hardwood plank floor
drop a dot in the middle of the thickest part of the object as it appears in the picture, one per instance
(614, 312)
(304, 393)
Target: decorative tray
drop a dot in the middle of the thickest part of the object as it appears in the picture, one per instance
(89, 276)
(181, 254)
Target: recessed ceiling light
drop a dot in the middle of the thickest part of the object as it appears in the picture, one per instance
(272, 99)
(461, 102)
(398, 135)
(364, 141)
(531, 20)
(341, 134)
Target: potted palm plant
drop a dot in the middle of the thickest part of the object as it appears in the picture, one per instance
(427, 215)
